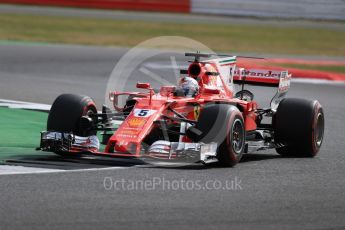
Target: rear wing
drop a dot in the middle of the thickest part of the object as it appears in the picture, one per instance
(258, 77)
(270, 78)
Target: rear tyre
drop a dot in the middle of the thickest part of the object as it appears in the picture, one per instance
(66, 111)
(299, 124)
(223, 124)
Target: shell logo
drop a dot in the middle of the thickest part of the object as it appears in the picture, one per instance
(196, 112)
(136, 122)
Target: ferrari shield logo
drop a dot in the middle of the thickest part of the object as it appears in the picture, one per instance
(196, 112)
(136, 122)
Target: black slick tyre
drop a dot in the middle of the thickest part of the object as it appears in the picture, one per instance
(223, 124)
(299, 126)
(66, 111)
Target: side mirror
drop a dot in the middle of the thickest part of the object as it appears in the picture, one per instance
(143, 85)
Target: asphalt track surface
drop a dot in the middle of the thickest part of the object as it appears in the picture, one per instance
(271, 193)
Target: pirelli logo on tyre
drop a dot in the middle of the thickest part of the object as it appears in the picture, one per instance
(136, 122)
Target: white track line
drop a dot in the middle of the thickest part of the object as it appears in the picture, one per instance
(24, 105)
(317, 81)
(10, 169)
(15, 170)
(32, 106)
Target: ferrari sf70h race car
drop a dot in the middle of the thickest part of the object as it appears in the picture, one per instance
(201, 119)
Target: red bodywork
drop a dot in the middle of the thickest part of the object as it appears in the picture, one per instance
(150, 106)
(166, 125)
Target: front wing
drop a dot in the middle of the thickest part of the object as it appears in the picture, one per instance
(161, 150)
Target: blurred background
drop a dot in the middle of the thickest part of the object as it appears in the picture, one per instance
(42, 38)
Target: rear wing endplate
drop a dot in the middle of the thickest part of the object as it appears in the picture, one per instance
(283, 87)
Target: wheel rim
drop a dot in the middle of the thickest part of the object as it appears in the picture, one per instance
(90, 112)
(319, 129)
(237, 136)
(86, 131)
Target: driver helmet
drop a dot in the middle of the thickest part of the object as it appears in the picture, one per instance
(189, 86)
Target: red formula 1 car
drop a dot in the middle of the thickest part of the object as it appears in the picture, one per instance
(200, 120)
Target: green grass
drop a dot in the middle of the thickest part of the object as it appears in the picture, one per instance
(234, 38)
(21, 128)
(20, 131)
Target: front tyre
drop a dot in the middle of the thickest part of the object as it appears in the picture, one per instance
(231, 150)
(223, 124)
(66, 112)
(299, 126)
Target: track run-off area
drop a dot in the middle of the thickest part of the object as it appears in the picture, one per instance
(264, 191)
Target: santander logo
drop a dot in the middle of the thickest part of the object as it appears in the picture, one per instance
(257, 73)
